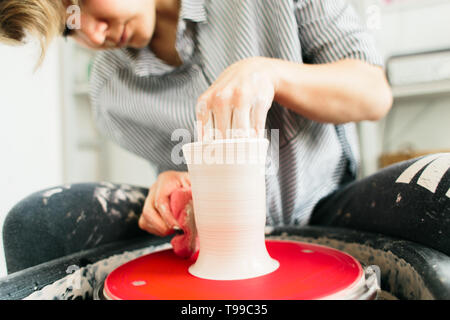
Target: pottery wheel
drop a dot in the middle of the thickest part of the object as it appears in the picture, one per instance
(307, 271)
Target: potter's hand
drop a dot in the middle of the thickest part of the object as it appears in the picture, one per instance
(239, 100)
(186, 244)
(156, 217)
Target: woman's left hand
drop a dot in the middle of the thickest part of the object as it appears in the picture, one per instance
(236, 104)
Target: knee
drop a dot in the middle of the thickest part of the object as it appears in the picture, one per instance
(18, 219)
(21, 234)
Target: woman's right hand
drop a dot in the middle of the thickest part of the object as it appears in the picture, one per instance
(156, 217)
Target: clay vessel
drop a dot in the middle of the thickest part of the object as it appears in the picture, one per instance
(229, 198)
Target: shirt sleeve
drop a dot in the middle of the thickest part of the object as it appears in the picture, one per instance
(331, 30)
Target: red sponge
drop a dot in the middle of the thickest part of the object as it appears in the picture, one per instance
(185, 245)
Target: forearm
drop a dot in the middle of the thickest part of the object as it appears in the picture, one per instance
(340, 92)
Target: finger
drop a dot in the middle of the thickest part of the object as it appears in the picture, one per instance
(241, 112)
(222, 111)
(185, 181)
(205, 118)
(146, 226)
(201, 108)
(151, 217)
(201, 112)
(199, 130)
(241, 122)
(162, 205)
(166, 214)
(208, 127)
(156, 224)
(258, 117)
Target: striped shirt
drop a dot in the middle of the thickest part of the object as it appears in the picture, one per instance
(138, 100)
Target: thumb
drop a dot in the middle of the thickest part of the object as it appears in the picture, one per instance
(162, 204)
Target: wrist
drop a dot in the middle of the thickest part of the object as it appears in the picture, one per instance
(271, 68)
(283, 74)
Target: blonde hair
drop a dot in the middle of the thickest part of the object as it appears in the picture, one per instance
(43, 19)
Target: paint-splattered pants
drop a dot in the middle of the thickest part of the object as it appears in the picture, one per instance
(409, 200)
(56, 222)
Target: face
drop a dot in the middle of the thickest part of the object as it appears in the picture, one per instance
(109, 24)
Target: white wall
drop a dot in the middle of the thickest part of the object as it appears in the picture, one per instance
(421, 123)
(125, 167)
(418, 28)
(30, 120)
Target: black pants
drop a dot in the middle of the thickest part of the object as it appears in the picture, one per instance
(409, 200)
(60, 221)
(68, 219)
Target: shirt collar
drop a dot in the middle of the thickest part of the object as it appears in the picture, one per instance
(193, 10)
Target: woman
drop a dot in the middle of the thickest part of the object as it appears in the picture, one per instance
(305, 67)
